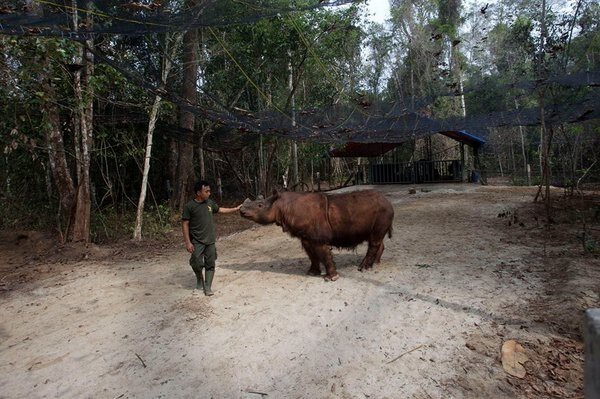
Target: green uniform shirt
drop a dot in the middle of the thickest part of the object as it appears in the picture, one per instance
(202, 227)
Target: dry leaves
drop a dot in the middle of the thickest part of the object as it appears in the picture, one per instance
(513, 357)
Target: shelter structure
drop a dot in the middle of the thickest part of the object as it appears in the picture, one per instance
(447, 156)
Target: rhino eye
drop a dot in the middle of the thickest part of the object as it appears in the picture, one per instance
(260, 205)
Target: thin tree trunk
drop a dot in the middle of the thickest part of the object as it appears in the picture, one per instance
(458, 74)
(137, 232)
(293, 116)
(412, 88)
(525, 168)
(261, 168)
(547, 143)
(512, 155)
(269, 168)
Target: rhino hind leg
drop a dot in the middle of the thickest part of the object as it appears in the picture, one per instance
(379, 252)
(373, 254)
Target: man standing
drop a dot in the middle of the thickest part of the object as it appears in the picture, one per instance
(199, 234)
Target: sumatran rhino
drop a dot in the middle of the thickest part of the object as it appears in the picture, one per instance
(321, 221)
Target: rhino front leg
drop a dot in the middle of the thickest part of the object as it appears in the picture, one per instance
(324, 253)
(315, 267)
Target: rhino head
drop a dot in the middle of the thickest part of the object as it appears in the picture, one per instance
(260, 210)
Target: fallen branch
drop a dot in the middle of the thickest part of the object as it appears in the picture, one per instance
(258, 393)
(405, 353)
(141, 360)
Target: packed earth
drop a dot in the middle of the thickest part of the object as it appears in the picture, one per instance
(469, 268)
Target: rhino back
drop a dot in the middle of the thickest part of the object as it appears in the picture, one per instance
(359, 216)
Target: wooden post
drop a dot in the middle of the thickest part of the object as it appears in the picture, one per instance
(591, 334)
(462, 162)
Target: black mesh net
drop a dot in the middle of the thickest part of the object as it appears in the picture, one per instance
(357, 121)
(53, 18)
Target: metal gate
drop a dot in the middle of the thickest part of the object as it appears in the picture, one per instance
(416, 172)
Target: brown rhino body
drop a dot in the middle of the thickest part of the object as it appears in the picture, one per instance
(321, 221)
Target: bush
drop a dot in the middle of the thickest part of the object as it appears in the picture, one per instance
(110, 224)
(21, 215)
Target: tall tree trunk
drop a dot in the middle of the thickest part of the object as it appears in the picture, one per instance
(545, 133)
(166, 68)
(184, 179)
(457, 73)
(137, 232)
(56, 150)
(81, 214)
(293, 116)
(82, 211)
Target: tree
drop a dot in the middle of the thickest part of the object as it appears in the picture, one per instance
(182, 156)
(83, 128)
(153, 116)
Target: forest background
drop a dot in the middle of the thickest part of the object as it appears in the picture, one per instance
(102, 137)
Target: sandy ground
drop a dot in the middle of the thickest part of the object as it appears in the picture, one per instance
(455, 282)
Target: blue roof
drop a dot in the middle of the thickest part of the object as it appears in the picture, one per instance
(464, 137)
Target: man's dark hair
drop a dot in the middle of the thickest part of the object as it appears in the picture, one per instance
(199, 184)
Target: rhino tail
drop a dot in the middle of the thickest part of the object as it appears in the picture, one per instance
(390, 232)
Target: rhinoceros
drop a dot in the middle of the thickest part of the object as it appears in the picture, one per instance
(322, 220)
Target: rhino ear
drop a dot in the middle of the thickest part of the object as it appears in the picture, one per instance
(275, 194)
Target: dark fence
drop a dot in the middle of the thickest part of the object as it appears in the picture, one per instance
(416, 172)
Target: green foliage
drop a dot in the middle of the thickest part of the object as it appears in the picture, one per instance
(18, 214)
(592, 246)
(512, 49)
(254, 59)
(111, 224)
(422, 55)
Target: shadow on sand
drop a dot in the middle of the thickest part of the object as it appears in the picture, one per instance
(295, 266)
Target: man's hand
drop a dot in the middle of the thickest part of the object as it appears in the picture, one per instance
(190, 247)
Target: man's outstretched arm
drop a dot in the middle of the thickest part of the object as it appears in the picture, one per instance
(229, 210)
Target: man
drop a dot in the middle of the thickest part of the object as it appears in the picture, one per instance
(199, 234)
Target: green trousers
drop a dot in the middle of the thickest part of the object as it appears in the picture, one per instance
(204, 256)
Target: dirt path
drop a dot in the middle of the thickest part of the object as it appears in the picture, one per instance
(454, 283)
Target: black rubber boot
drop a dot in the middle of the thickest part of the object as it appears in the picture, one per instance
(208, 283)
(199, 281)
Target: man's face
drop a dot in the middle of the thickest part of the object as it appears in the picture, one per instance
(203, 193)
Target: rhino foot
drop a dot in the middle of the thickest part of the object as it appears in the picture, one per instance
(313, 272)
(334, 277)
